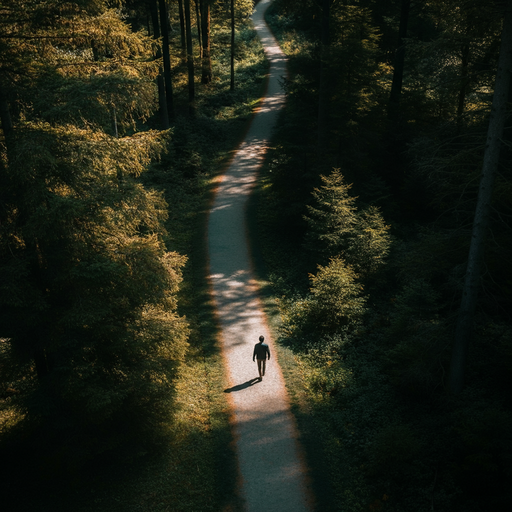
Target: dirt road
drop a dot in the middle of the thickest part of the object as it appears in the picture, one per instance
(272, 473)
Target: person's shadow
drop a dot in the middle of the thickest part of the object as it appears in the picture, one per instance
(245, 385)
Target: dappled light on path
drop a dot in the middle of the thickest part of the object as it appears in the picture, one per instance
(272, 472)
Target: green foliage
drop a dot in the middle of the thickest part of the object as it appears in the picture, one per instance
(325, 373)
(111, 212)
(354, 55)
(338, 228)
(91, 290)
(89, 304)
(370, 242)
(333, 220)
(373, 389)
(336, 296)
(335, 301)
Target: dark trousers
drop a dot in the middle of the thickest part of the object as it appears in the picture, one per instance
(261, 366)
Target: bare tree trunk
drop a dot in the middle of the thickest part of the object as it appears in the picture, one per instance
(182, 30)
(190, 60)
(7, 125)
(199, 6)
(41, 364)
(164, 24)
(5, 116)
(482, 213)
(398, 71)
(463, 86)
(323, 89)
(206, 76)
(232, 84)
(162, 101)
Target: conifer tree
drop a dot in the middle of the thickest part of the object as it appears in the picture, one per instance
(88, 296)
(483, 208)
(339, 228)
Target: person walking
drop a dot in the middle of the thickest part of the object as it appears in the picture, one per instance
(260, 352)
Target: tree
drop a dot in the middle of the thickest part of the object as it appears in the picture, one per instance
(323, 88)
(334, 215)
(483, 208)
(198, 23)
(339, 228)
(232, 56)
(190, 59)
(88, 318)
(164, 24)
(162, 96)
(398, 70)
(336, 296)
(206, 76)
(183, 32)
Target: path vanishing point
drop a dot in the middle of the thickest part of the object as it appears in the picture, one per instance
(272, 471)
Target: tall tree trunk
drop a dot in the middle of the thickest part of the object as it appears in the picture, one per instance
(463, 86)
(190, 59)
(323, 89)
(5, 115)
(183, 32)
(398, 71)
(114, 122)
(41, 363)
(206, 75)
(199, 27)
(232, 84)
(7, 125)
(164, 24)
(482, 213)
(162, 100)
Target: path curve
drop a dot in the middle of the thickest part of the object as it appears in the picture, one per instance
(272, 472)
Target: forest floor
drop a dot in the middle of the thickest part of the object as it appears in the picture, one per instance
(272, 472)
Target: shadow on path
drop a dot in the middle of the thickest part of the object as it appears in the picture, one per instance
(273, 475)
(245, 385)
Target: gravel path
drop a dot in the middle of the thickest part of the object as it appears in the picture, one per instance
(272, 473)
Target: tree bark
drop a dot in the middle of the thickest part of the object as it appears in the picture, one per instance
(206, 76)
(399, 64)
(190, 59)
(5, 116)
(463, 86)
(232, 84)
(182, 30)
(164, 24)
(162, 100)
(199, 6)
(323, 88)
(41, 364)
(483, 208)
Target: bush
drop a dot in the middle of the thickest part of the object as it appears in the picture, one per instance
(336, 296)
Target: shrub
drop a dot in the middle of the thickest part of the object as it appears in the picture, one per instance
(336, 296)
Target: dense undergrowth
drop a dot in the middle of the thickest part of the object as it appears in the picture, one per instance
(189, 465)
(373, 348)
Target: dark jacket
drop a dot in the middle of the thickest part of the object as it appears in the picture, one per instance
(260, 351)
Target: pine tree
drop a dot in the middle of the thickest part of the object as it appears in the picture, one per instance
(339, 228)
(88, 295)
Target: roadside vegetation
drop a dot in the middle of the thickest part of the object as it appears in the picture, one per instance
(363, 234)
(180, 459)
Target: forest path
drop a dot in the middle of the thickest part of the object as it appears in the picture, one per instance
(272, 473)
